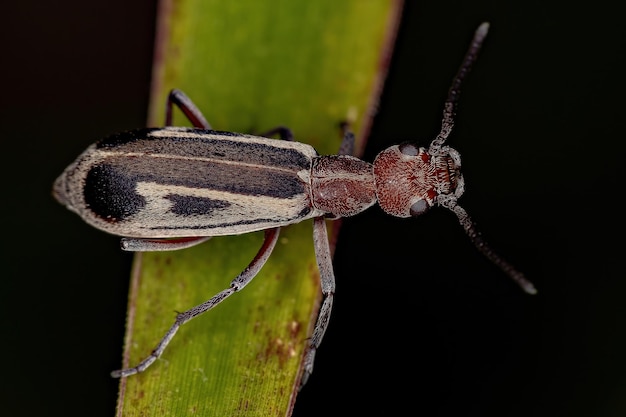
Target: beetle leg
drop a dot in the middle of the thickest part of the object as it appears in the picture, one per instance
(347, 144)
(243, 279)
(152, 245)
(190, 110)
(284, 132)
(327, 281)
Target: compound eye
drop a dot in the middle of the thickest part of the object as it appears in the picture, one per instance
(419, 207)
(408, 149)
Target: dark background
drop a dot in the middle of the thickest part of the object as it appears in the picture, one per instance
(422, 324)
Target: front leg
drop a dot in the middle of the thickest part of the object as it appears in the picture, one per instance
(347, 144)
(327, 281)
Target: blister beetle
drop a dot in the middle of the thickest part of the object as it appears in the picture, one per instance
(171, 188)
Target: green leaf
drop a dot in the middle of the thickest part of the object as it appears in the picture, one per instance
(249, 66)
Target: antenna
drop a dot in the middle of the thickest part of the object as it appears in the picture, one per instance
(449, 201)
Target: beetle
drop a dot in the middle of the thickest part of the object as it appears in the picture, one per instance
(174, 187)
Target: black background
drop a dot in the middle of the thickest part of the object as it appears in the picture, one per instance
(422, 324)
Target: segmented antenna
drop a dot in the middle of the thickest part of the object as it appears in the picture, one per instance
(450, 200)
(470, 228)
(449, 109)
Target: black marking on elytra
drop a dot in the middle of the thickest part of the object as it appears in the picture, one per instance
(110, 194)
(209, 175)
(305, 211)
(202, 143)
(121, 138)
(185, 205)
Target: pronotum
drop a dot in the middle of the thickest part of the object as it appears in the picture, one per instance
(171, 188)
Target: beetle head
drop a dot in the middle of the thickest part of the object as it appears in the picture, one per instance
(410, 179)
